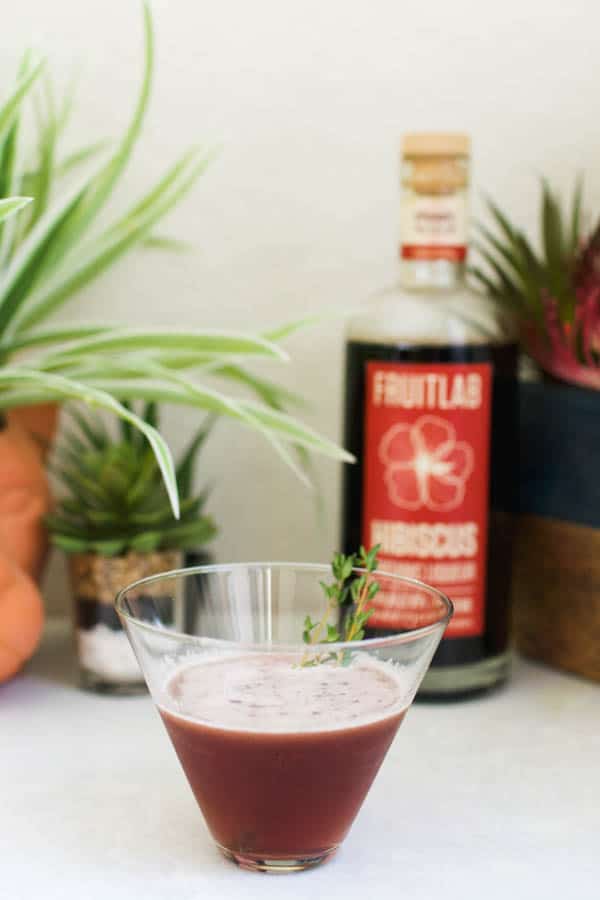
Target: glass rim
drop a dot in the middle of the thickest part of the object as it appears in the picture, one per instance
(401, 637)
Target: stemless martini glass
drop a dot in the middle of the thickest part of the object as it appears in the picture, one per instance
(280, 741)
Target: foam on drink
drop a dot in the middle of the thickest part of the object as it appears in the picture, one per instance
(272, 693)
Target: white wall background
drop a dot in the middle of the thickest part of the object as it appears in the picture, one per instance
(300, 211)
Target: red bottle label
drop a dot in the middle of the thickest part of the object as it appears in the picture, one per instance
(434, 251)
(426, 484)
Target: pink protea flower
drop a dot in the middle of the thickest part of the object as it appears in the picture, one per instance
(555, 296)
(569, 350)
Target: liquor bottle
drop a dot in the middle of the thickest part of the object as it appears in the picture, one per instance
(431, 416)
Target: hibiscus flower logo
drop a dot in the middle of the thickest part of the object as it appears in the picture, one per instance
(425, 465)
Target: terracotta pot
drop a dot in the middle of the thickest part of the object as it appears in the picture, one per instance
(24, 500)
(21, 617)
(40, 421)
(106, 660)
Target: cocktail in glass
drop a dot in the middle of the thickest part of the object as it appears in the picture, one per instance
(280, 740)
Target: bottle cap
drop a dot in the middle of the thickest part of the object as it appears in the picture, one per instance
(436, 143)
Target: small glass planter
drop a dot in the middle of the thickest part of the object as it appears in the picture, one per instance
(107, 663)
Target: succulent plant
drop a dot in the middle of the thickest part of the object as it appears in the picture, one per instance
(116, 499)
(554, 294)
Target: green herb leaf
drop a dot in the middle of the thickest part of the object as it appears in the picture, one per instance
(361, 588)
(373, 590)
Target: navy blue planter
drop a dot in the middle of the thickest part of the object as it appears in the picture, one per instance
(556, 585)
(560, 453)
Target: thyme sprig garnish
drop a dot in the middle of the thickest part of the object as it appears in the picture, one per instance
(349, 591)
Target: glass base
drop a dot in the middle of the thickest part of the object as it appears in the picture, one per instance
(92, 681)
(462, 682)
(255, 863)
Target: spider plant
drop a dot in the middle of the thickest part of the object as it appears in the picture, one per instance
(52, 247)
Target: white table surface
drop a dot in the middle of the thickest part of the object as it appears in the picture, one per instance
(494, 798)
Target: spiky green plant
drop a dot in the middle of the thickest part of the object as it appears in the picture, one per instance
(115, 499)
(554, 293)
(52, 248)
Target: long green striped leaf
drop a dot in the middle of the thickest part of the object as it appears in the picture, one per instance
(68, 102)
(287, 456)
(10, 108)
(192, 159)
(246, 415)
(286, 428)
(11, 177)
(88, 366)
(179, 360)
(48, 134)
(273, 426)
(58, 335)
(25, 265)
(215, 342)
(282, 426)
(10, 185)
(289, 328)
(267, 391)
(94, 257)
(81, 156)
(93, 396)
(164, 242)
(22, 396)
(11, 205)
(64, 167)
(214, 402)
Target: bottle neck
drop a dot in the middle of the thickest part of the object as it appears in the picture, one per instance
(431, 274)
(434, 224)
